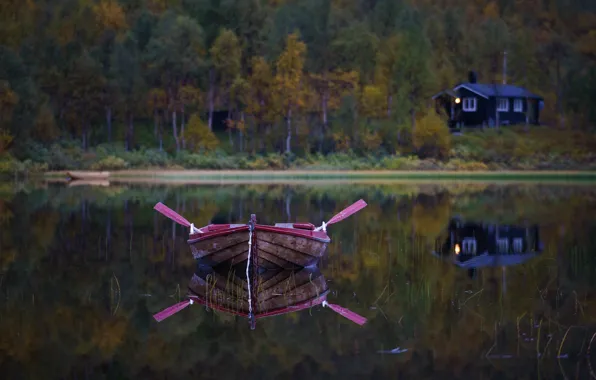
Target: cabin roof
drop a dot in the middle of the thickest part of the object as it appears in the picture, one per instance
(502, 90)
(449, 92)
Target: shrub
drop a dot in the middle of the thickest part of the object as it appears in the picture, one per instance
(198, 136)
(109, 163)
(431, 137)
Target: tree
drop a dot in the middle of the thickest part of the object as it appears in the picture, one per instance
(200, 139)
(288, 80)
(226, 55)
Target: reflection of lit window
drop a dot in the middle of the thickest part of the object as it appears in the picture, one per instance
(469, 246)
(518, 244)
(503, 245)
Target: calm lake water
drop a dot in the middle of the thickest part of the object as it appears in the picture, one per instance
(82, 270)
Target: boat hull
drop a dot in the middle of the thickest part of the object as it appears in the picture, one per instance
(88, 175)
(281, 245)
(278, 291)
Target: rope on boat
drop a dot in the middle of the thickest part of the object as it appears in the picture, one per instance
(322, 227)
(250, 229)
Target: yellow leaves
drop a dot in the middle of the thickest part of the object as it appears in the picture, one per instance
(5, 140)
(342, 141)
(16, 21)
(108, 335)
(491, 10)
(8, 100)
(189, 95)
(431, 136)
(373, 102)
(226, 54)
(371, 140)
(289, 73)
(110, 15)
(157, 99)
(587, 43)
(199, 137)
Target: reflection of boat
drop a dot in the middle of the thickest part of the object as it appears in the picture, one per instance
(88, 175)
(476, 245)
(92, 182)
(283, 244)
(259, 294)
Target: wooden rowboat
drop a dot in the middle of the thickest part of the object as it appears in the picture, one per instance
(268, 293)
(287, 245)
(88, 175)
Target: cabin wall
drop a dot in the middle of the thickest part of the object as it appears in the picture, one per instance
(511, 117)
(474, 119)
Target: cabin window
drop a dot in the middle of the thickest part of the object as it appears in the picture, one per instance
(502, 104)
(469, 246)
(502, 245)
(469, 104)
(518, 105)
(518, 245)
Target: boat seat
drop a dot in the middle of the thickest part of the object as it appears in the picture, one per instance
(302, 226)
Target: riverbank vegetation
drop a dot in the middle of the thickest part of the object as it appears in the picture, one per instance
(275, 84)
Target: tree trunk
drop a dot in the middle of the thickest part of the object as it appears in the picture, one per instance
(389, 103)
(182, 130)
(560, 95)
(240, 134)
(175, 131)
(211, 90)
(229, 127)
(289, 126)
(130, 130)
(155, 122)
(109, 122)
(84, 136)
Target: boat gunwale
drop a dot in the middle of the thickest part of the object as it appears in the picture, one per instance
(321, 236)
(314, 301)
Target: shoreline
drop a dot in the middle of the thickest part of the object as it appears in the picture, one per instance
(264, 176)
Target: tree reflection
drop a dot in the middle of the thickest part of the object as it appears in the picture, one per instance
(83, 269)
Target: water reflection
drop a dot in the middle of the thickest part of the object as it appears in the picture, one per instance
(473, 245)
(83, 269)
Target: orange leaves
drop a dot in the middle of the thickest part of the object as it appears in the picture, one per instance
(491, 10)
(109, 15)
(189, 95)
(8, 100)
(157, 99)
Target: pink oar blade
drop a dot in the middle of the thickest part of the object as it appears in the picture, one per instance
(354, 208)
(171, 310)
(358, 319)
(168, 212)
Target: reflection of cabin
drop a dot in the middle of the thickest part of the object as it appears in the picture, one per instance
(470, 244)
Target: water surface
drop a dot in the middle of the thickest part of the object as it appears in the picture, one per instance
(83, 268)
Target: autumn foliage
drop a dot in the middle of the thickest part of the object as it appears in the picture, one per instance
(299, 77)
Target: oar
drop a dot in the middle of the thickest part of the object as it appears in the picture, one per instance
(168, 212)
(343, 214)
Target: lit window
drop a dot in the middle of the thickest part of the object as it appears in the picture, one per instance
(503, 104)
(518, 105)
(469, 104)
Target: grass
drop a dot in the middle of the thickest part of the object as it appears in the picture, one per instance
(188, 176)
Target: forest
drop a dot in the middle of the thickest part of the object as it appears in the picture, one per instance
(124, 83)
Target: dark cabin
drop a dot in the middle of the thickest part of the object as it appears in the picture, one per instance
(473, 104)
(478, 244)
